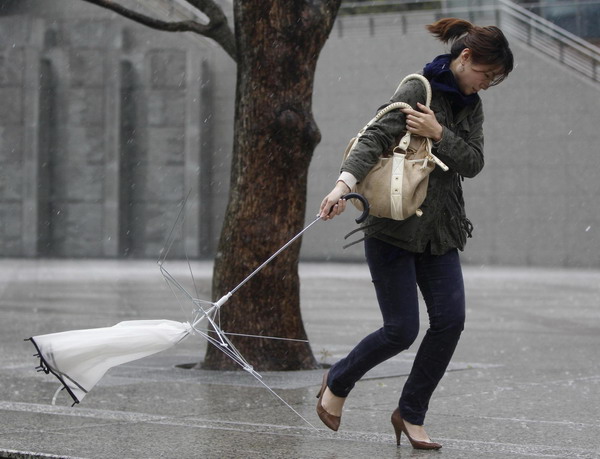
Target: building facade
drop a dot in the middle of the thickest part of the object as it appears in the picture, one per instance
(107, 126)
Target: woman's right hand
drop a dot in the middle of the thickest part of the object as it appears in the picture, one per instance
(333, 204)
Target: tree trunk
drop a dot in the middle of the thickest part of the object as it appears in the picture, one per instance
(278, 45)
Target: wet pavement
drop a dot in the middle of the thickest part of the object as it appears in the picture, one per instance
(524, 383)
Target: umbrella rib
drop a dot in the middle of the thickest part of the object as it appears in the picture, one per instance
(221, 341)
(170, 237)
(172, 284)
(47, 368)
(232, 353)
(284, 402)
(192, 274)
(262, 337)
(248, 368)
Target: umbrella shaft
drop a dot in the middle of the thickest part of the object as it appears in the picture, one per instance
(285, 246)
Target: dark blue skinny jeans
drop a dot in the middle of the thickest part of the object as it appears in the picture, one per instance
(396, 273)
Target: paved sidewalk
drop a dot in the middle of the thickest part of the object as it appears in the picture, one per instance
(524, 383)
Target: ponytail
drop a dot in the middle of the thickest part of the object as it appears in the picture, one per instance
(449, 29)
(488, 45)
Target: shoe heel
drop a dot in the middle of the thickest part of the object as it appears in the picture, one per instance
(397, 429)
(400, 428)
(323, 385)
(398, 438)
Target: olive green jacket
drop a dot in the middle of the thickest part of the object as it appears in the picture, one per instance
(443, 224)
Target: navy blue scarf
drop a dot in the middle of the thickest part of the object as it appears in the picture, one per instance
(442, 79)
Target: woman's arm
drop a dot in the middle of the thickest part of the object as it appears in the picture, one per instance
(380, 136)
(465, 156)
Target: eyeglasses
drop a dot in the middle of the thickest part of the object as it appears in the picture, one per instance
(490, 76)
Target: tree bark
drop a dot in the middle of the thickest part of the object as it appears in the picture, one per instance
(278, 45)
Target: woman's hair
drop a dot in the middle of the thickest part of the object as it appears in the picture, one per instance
(488, 44)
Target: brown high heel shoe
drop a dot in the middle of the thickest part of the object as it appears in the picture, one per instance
(400, 427)
(331, 421)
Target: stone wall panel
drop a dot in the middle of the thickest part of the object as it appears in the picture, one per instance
(76, 229)
(90, 33)
(85, 107)
(160, 183)
(11, 143)
(11, 182)
(167, 68)
(86, 68)
(78, 182)
(85, 143)
(12, 106)
(12, 64)
(166, 107)
(166, 146)
(10, 229)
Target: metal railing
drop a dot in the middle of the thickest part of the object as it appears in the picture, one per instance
(539, 33)
(550, 39)
(580, 17)
(515, 20)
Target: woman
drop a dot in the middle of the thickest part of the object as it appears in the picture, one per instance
(421, 251)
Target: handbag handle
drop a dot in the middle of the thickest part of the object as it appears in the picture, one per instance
(405, 140)
(397, 105)
(422, 79)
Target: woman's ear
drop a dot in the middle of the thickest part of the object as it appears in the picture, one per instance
(465, 56)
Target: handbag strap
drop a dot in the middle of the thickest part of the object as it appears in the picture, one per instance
(396, 105)
(405, 140)
(423, 80)
(381, 113)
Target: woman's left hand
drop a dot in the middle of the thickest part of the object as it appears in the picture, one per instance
(333, 204)
(423, 122)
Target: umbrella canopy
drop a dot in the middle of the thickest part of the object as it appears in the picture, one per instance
(79, 358)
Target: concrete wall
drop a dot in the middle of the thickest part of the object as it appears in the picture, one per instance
(105, 125)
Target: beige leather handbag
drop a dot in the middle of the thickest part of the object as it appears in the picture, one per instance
(397, 185)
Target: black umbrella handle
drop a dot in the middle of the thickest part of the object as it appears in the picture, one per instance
(364, 202)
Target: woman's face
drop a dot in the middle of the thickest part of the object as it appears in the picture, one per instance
(471, 77)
